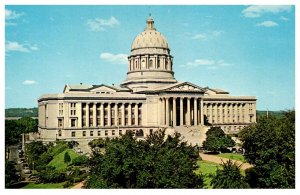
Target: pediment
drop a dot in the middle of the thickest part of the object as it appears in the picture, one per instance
(103, 88)
(185, 87)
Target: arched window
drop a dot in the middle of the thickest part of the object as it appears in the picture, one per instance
(139, 133)
(150, 64)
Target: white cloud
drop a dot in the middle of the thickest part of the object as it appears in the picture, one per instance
(283, 18)
(217, 33)
(29, 82)
(15, 46)
(100, 24)
(199, 37)
(10, 15)
(255, 11)
(267, 24)
(209, 64)
(114, 58)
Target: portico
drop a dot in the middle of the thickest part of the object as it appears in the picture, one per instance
(181, 111)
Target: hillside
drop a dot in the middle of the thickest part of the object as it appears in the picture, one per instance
(21, 112)
(261, 113)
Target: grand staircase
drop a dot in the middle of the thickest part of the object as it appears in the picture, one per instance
(194, 135)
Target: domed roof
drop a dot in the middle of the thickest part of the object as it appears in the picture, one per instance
(149, 37)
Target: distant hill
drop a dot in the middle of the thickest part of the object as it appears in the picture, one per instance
(21, 112)
(261, 113)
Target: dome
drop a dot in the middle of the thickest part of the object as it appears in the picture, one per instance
(149, 37)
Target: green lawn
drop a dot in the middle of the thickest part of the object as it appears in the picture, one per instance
(58, 160)
(207, 168)
(232, 156)
(44, 186)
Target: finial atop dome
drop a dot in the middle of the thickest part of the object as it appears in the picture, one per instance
(150, 23)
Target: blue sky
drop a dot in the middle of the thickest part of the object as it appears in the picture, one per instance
(246, 50)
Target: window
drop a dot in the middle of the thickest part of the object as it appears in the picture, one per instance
(113, 132)
(60, 109)
(59, 133)
(151, 131)
(73, 134)
(73, 109)
(73, 122)
(60, 122)
(99, 133)
(120, 132)
(91, 133)
(106, 132)
(140, 133)
(83, 133)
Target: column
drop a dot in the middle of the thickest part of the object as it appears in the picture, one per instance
(188, 102)
(123, 114)
(79, 114)
(174, 112)
(102, 114)
(136, 114)
(163, 111)
(109, 114)
(201, 111)
(87, 119)
(167, 112)
(94, 115)
(181, 111)
(116, 115)
(195, 112)
(129, 114)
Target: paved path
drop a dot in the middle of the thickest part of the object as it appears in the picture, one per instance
(78, 186)
(217, 159)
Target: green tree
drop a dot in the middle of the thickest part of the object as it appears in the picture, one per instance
(67, 157)
(28, 125)
(11, 176)
(217, 141)
(160, 161)
(33, 152)
(229, 177)
(270, 146)
(80, 160)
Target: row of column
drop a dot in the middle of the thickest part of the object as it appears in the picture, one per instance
(226, 112)
(149, 62)
(193, 118)
(116, 107)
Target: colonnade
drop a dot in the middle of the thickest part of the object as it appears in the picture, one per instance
(181, 111)
(110, 114)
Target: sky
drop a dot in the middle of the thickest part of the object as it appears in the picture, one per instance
(245, 50)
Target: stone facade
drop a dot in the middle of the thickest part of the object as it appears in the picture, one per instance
(148, 100)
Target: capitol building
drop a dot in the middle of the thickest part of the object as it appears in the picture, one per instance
(149, 99)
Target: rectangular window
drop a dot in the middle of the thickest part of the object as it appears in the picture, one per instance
(99, 133)
(73, 109)
(120, 132)
(73, 122)
(73, 133)
(83, 133)
(60, 109)
(113, 132)
(60, 122)
(59, 133)
(91, 133)
(106, 132)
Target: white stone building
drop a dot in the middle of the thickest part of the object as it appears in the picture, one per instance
(148, 100)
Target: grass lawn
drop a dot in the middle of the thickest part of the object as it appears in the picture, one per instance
(233, 156)
(58, 160)
(44, 186)
(207, 168)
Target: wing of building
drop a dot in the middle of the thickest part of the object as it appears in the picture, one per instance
(149, 99)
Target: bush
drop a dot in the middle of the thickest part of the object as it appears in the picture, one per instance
(51, 176)
(80, 160)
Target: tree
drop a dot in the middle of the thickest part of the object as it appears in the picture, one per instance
(33, 152)
(160, 161)
(67, 157)
(80, 160)
(28, 124)
(11, 176)
(270, 146)
(229, 177)
(217, 141)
